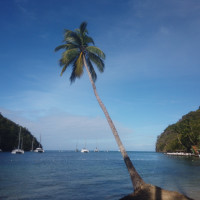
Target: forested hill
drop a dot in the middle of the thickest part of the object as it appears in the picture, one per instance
(182, 135)
(9, 132)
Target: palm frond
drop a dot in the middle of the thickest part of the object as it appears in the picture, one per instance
(92, 71)
(63, 46)
(67, 33)
(68, 58)
(66, 65)
(77, 70)
(96, 51)
(71, 46)
(83, 28)
(63, 69)
(88, 40)
(97, 61)
(72, 37)
(73, 74)
(69, 55)
(79, 66)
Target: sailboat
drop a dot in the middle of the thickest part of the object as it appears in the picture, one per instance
(39, 149)
(84, 150)
(96, 150)
(18, 150)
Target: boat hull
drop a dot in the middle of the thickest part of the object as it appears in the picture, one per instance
(84, 151)
(17, 151)
(39, 150)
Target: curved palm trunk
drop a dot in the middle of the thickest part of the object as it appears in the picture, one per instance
(137, 181)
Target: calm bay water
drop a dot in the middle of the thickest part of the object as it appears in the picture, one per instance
(75, 176)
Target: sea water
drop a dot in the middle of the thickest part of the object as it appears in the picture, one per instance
(68, 175)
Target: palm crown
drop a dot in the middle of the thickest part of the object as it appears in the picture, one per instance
(77, 49)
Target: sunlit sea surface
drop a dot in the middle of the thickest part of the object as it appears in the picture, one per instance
(68, 175)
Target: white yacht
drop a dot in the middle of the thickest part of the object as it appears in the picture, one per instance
(96, 150)
(18, 150)
(39, 149)
(84, 150)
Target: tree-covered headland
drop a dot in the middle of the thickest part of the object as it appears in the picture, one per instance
(181, 136)
(9, 132)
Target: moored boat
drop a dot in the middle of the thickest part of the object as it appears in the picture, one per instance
(96, 150)
(84, 150)
(39, 149)
(18, 150)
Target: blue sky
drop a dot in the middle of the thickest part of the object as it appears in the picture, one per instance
(151, 73)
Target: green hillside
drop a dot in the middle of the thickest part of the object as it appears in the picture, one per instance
(182, 135)
(9, 132)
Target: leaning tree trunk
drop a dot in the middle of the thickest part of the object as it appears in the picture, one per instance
(137, 181)
(141, 189)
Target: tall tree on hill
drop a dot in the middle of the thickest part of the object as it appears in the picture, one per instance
(78, 54)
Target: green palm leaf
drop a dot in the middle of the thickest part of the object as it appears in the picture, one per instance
(88, 40)
(92, 71)
(67, 33)
(74, 72)
(96, 51)
(79, 66)
(68, 58)
(63, 46)
(97, 61)
(69, 55)
(83, 29)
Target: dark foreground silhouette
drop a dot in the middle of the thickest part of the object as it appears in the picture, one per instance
(151, 192)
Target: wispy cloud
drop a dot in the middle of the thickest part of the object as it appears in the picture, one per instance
(61, 130)
(22, 6)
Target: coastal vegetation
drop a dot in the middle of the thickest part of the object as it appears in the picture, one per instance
(9, 132)
(182, 136)
(78, 54)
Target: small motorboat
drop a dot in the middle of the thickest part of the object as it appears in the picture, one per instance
(39, 150)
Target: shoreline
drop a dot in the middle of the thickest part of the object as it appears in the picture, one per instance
(181, 154)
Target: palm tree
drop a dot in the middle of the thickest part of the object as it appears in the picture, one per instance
(78, 54)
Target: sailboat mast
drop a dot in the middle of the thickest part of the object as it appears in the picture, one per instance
(32, 145)
(19, 137)
(40, 142)
(22, 144)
